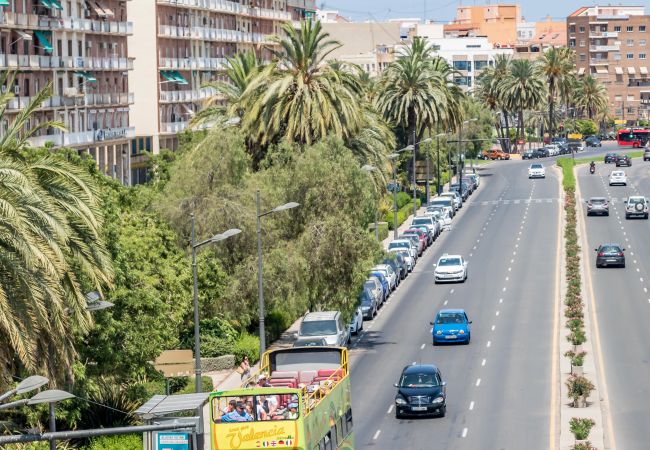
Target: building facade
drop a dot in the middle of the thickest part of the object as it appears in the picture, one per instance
(302, 9)
(497, 22)
(611, 44)
(534, 38)
(179, 45)
(80, 49)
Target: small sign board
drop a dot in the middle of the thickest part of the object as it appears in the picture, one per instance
(620, 121)
(575, 136)
(175, 363)
(172, 441)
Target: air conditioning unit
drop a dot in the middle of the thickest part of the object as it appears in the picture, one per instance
(114, 45)
(89, 44)
(70, 92)
(103, 45)
(16, 89)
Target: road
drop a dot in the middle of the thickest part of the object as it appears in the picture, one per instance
(622, 302)
(499, 387)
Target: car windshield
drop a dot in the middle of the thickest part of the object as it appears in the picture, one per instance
(597, 201)
(634, 201)
(447, 318)
(398, 245)
(319, 342)
(418, 380)
(318, 327)
(441, 202)
(422, 221)
(449, 262)
(618, 174)
(369, 285)
(536, 166)
(610, 249)
(365, 299)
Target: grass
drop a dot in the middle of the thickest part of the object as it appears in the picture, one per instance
(568, 179)
(635, 154)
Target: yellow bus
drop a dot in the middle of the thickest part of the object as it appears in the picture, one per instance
(300, 399)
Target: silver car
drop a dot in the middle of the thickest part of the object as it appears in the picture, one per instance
(597, 205)
(456, 197)
(327, 325)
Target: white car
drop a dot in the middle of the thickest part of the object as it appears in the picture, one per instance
(356, 324)
(457, 199)
(410, 262)
(450, 268)
(536, 170)
(442, 216)
(389, 273)
(636, 206)
(404, 244)
(448, 210)
(617, 177)
(553, 150)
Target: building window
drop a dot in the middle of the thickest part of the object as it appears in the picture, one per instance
(583, 57)
(572, 42)
(617, 28)
(630, 98)
(572, 29)
(630, 42)
(618, 98)
(582, 43)
(629, 29)
(617, 56)
(641, 28)
(480, 65)
(642, 42)
(463, 65)
(630, 56)
(641, 55)
(582, 29)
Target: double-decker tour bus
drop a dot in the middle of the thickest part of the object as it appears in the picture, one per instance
(300, 399)
(632, 137)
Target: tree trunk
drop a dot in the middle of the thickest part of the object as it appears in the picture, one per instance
(551, 105)
(505, 115)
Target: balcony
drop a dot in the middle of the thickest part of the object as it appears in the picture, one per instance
(33, 21)
(638, 83)
(228, 7)
(212, 34)
(603, 34)
(186, 96)
(57, 62)
(78, 100)
(604, 48)
(193, 63)
(172, 127)
(83, 137)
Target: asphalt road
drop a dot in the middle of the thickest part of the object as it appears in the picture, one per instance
(623, 302)
(499, 387)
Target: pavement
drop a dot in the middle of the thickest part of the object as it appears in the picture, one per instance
(622, 305)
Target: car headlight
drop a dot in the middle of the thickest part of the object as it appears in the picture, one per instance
(438, 400)
(461, 332)
(438, 332)
(400, 401)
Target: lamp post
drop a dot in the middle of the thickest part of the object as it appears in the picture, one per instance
(460, 138)
(369, 168)
(438, 188)
(260, 290)
(415, 186)
(393, 157)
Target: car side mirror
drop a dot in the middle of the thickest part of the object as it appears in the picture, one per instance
(623, 249)
(470, 321)
(444, 383)
(625, 200)
(395, 385)
(430, 323)
(595, 249)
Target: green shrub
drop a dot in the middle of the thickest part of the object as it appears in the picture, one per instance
(577, 359)
(403, 199)
(247, 345)
(383, 230)
(207, 385)
(577, 337)
(581, 427)
(581, 446)
(276, 323)
(579, 387)
(217, 337)
(120, 442)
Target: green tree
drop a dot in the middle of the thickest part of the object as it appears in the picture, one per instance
(591, 96)
(51, 250)
(556, 65)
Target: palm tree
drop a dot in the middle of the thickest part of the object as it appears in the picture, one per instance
(523, 89)
(591, 96)
(50, 240)
(299, 96)
(556, 64)
(488, 91)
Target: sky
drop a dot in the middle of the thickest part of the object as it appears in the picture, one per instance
(444, 10)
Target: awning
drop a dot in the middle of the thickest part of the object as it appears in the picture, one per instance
(168, 75)
(24, 36)
(56, 4)
(619, 70)
(643, 70)
(107, 11)
(631, 71)
(43, 39)
(88, 76)
(179, 78)
(4, 2)
(45, 3)
(581, 71)
(601, 70)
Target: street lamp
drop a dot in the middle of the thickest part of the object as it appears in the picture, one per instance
(94, 302)
(460, 138)
(368, 168)
(393, 157)
(260, 291)
(415, 190)
(27, 385)
(438, 136)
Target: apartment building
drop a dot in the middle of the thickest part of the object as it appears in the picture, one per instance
(179, 45)
(534, 38)
(302, 9)
(611, 44)
(80, 48)
(497, 22)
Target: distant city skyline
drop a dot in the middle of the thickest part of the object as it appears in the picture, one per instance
(444, 11)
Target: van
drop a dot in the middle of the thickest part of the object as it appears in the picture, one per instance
(327, 325)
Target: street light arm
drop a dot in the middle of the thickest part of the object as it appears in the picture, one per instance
(14, 404)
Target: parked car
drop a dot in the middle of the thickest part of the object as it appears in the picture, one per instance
(368, 304)
(384, 283)
(461, 189)
(399, 265)
(327, 325)
(392, 262)
(442, 209)
(455, 197)
(450, 268)
(475, 177)
(610, 158)
(528, 154)
(356, 324)
(419, 239)
(610, 255)
(597, 205)
(542, 153)
(441, 215)
(623, 160)
(389, 273)
(495, 154)
(431, 233)
(406, 256)
(636, 206)
(310, 342)
(593, 141)
(451, 325)
(553, 149)
(558, 140)
(404, 244)
(443, 201)
(575, 146)
(617, 177)
(373, 285)
(470, 184)
(420, 391)
(428, 221)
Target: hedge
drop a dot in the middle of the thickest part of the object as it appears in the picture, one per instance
(402, 214)
(218, 363)
(121, 442)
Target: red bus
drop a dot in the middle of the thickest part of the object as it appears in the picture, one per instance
(632, 137)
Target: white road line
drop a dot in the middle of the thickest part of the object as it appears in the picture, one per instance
(489, 343)
(493, 327)
(497, 314)
(507, 278)
(471, 405)
(374, 438)
(509, 269)
(645, 290)
(470, 255)
(511, 261)
(638, 270)
(500, 300)
(504, 289)
(446, 301)
(478, 382)
(422, 346)
(484, 361)
(390, 409)
(635, 261)
(464, 432)
(451, 292)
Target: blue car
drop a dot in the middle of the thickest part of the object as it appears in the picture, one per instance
(384, 283)
(451, 325)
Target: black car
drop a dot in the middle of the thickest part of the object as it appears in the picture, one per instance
(528, 154)
(541, 153)
(396, 266)
(420, 391)
(593, 141)
(558, 140)
(623, 160)
(610, 255)
(611, 158)
(462, 190)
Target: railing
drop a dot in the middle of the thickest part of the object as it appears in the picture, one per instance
(83, 137)
(637, 82)
(172, 127)
(214, 34)
(70, 23)
(229, 7)
(604, 48)
(58, 62)
(193, 63)
(603, 34)
(187, 96)
(79, 100)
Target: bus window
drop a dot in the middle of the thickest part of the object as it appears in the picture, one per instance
(252, 408)
(348, 422)
(233, 409)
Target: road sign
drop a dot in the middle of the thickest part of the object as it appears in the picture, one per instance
(175, 363)
(172, 441)
(620, 121)
(575, 136)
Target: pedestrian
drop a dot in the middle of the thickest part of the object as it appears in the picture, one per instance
(262, 381)
(244, 368)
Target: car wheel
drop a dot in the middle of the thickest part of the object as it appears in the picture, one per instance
(623, 266)
(435, 343)
(397, 415)
(646, 216)
(588, 214)
(607, 213)
(627, 216)
(468, 340)
(598, 266)
(360, 328)
(443, 411)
